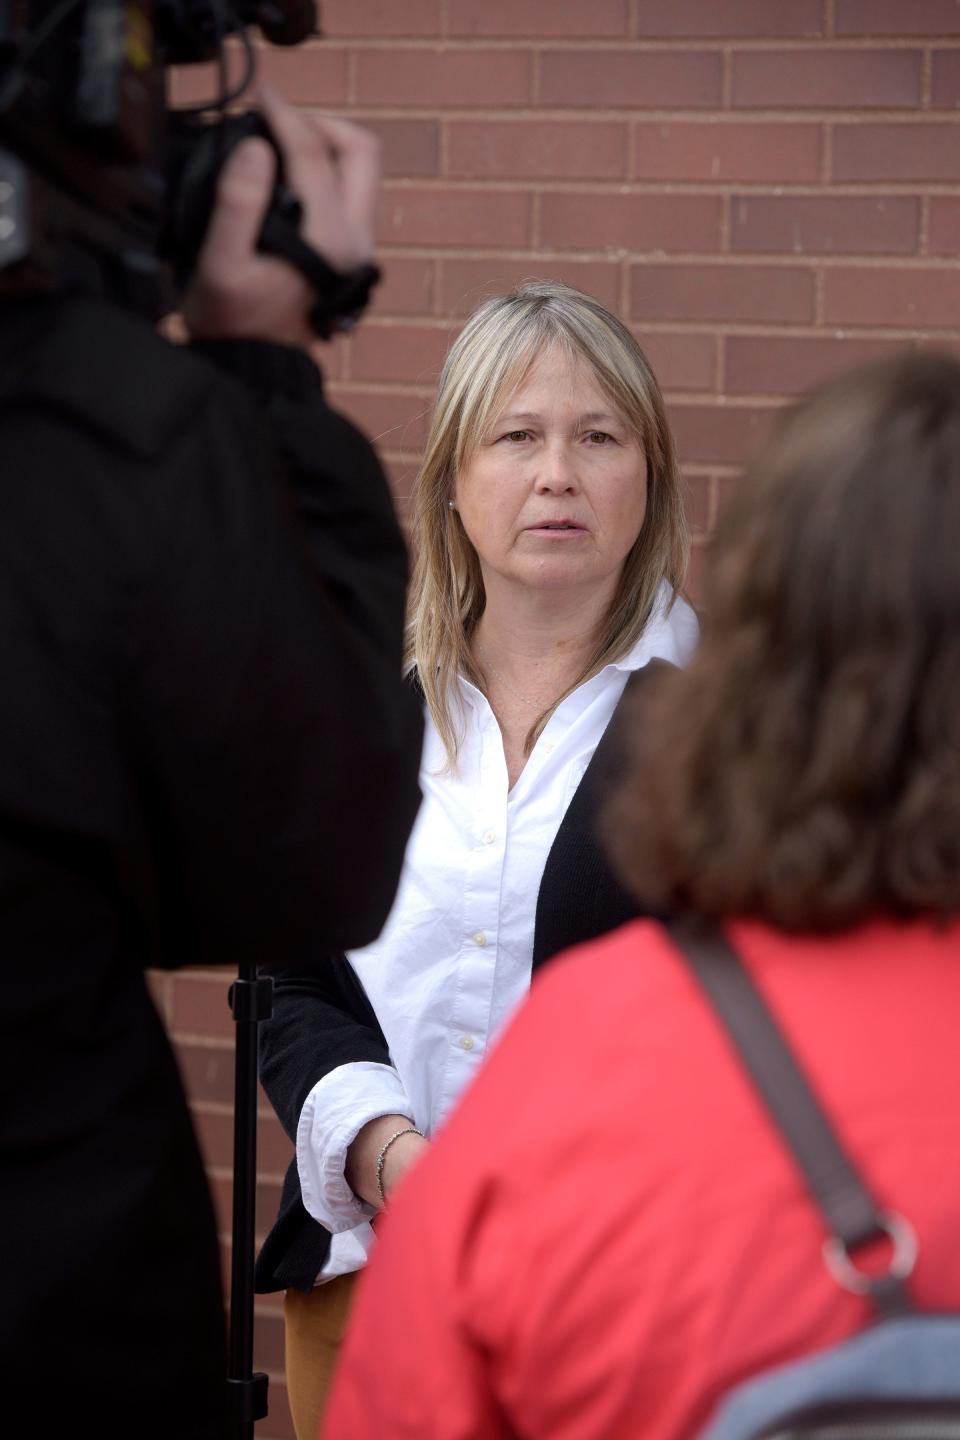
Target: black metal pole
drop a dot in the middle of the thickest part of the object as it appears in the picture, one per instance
(251, 1001)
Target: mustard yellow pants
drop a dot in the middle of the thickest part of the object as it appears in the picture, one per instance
(314, 1325)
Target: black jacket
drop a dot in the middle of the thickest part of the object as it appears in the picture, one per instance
(322, 1021)
(198, 687)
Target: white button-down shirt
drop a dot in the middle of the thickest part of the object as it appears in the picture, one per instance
(454, 958)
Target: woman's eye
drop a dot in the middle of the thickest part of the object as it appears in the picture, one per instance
(517, 435)
(599, 437)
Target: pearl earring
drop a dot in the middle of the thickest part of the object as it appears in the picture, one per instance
(451, 504)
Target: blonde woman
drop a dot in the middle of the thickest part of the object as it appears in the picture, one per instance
(551, 547)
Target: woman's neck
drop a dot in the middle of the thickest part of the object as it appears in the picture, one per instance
(539, 632)
(530, 648)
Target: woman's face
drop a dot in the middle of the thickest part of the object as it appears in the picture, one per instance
(555, 495)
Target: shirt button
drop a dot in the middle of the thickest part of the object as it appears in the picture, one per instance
(479, 938)
(466, 1042)
(489, 836)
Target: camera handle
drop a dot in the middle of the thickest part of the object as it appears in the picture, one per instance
(251, 1000)
(342, 296)
(198, 151)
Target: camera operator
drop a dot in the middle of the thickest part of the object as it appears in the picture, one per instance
(207, 755)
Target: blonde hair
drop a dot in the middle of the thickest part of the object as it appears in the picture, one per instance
(488, 361)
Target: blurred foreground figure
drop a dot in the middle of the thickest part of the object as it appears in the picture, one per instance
(208, 756)
(610, 1233)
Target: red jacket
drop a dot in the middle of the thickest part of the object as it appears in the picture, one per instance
(609, 1233)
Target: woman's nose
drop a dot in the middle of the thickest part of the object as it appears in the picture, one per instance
(557, 473)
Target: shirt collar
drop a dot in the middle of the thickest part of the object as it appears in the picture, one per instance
(671, 633)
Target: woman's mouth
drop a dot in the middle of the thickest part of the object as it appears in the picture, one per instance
(556, 527)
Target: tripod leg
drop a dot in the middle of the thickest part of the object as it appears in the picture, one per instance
(251, 1001)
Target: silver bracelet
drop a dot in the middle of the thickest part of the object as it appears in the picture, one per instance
(407, 1130)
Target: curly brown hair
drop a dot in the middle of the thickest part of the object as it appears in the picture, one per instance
(805, 769)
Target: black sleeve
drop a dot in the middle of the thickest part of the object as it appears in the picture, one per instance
(319, 1021)
(278, 745)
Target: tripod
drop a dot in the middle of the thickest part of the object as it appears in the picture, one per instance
(251, 1000)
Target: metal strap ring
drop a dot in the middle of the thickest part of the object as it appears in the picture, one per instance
(902, 1236)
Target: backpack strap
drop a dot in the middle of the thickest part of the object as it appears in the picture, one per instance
(851, 1215)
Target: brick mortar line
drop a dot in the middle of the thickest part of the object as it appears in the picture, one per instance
(380, 387)
(726, 82)
(435, 284)
(697, 469)
(438, 277)
(926, 81)
(578, 45)
(710, 400)
(713, 503)
(203, 974)
(924, 237)
(199, 971)
(655, 114)
(381, 439)
(769, 330)
(225, 1109)
(352, 68)
(623, 287)
(759, 259)
(225, 1238)
(611, 256)
(443, 145)
(829, 20)
(615, 186)
(687, 399)
(784, 330)
(535, 217)
(204, 1039)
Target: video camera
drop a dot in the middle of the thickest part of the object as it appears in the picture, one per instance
(93, 163)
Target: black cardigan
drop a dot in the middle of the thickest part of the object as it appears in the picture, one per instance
(323, 1021)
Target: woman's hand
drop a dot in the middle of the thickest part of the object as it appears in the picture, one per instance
(334, 169)
(361, 1168)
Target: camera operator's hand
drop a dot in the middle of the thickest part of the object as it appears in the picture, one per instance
(334, 169)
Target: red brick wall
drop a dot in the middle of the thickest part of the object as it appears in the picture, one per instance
(766, 190)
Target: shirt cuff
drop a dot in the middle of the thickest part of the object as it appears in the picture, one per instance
(333, 1114)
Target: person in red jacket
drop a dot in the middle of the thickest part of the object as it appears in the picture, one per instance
(609, 1233)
